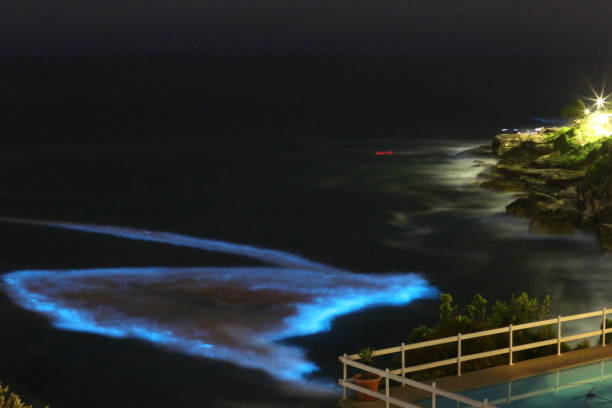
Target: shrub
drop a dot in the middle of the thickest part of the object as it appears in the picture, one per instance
(10, 400)
(582, 345)
(575, 110)
(477, 317)
(561, 131)
(601, 169)
(367, 355)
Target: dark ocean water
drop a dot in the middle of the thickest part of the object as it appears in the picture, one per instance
(277, 154)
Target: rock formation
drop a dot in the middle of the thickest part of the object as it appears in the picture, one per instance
(560, 185)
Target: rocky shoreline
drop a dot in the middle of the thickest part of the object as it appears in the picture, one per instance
(560, 187)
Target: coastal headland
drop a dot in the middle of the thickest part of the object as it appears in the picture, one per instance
(562, 180)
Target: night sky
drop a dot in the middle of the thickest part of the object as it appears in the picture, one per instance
(580, 28)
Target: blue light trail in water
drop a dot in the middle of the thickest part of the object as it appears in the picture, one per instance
(303, 297)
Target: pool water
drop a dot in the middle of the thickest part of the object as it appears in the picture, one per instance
(583, 386)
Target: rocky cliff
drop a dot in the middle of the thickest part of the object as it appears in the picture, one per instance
(561, 185)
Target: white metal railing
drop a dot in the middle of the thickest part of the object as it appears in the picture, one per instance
(388, 376)
(459, 338)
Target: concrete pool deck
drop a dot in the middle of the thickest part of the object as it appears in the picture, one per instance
(491, 376)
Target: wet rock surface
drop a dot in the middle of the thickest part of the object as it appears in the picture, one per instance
(557, 200)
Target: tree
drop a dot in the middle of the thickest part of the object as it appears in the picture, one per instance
(477, 310)
(575, 110)
(446, 307)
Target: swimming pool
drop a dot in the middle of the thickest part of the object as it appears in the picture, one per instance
(583, 386)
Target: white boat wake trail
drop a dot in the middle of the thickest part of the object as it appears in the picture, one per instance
(235, 314)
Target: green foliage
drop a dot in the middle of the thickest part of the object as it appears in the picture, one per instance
(479, 316)
(608, 335)
(520, 309)
(576, 158)
(582, 345)
(560, 131)
(568, 141)
(10, 400)
(575, 110)
(600, 171)
(367, 355)
(477, 310)
(446, 306)
(574, 148)
(601, 168)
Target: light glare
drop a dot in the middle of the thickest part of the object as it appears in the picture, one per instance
(598, 125)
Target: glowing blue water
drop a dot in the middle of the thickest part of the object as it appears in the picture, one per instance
(584, 386)
(324, 293)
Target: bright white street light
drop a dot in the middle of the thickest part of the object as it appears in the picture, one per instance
(600, 100)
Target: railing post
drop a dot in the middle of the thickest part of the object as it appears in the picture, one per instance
(344, 377)
(510, 344)
(433, 395)
(459, 354)
(603, 328)
(558, 335)
(387, 387)
(403, 347)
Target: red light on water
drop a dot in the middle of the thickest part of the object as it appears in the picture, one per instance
(384, 153)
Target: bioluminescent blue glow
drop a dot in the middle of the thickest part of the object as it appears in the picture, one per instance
(235, 314)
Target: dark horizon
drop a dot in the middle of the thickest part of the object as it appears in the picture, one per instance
(98, 99)
(331, 27)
